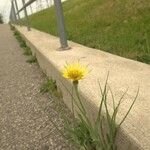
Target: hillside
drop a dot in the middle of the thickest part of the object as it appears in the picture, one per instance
(121, 27)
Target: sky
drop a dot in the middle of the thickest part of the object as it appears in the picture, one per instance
(6, 4)
(5, 8)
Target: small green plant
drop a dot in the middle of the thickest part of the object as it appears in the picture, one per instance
(32, 59)
(18, 37)
(23, 44)
(27, 51)
(50, 86)
(100, 134)
(1, 19)
(16, 33)
(12, 27)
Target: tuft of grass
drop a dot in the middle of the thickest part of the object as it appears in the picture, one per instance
(19, 38)
(23, 44)
(50, 86)
(144, 58)
(27, 51)
(115, 26)
(12, 27)
(32, 59)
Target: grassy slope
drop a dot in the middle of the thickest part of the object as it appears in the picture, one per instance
(120, 27)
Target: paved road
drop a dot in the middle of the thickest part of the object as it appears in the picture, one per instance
(23, 123)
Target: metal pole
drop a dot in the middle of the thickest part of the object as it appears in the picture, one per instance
(36, 6)
(26, 15)
(12, 19)
(17, 9)
(61, 24)
(13, 12)
(26, 5)
(51, 2)
(47, 3)
(41, 5)
(31, 9)
(10, 16)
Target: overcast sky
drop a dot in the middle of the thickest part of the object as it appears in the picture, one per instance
(5, 7)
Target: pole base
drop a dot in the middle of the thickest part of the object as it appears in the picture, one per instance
(63, 48)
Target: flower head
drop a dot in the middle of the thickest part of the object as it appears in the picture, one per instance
(75, 71)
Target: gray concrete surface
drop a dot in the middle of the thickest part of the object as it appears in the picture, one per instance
(24, 123)
(124, 73)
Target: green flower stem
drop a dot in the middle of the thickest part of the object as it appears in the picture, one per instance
(72, 106)
(81, 106)
(75, 84)
(73, 98)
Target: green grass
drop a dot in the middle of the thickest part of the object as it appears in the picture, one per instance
(27, 51)
(121, 27)
(50, 86)
(32, 59)
(22, 44)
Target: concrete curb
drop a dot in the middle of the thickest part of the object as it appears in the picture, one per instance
(135, 132)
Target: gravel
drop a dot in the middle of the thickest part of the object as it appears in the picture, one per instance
(24, 122)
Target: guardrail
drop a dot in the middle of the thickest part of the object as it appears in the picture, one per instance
(59, 16)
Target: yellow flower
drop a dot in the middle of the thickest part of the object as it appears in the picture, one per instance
(75, 71)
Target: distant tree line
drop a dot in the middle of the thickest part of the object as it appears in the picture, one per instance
(1, 19)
